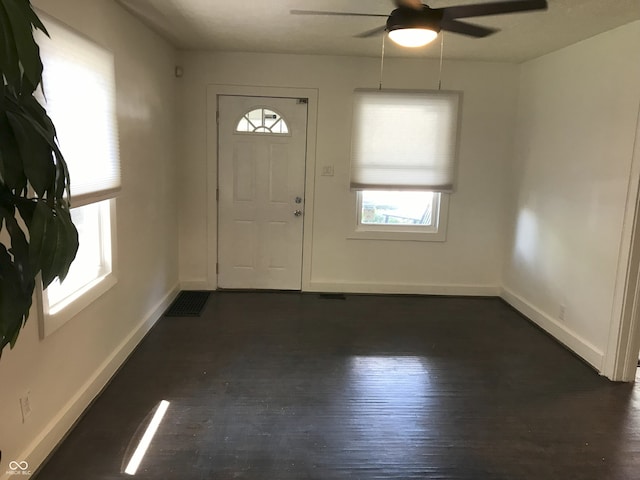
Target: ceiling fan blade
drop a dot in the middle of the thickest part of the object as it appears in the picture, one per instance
(372, 33)
(465, 28)
(494, 8)
(335, 14)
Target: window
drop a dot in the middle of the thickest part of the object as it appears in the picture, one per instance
(262, 120)
(418, 210)
(401, 215)
(93, 261)
(404, 148)
(79, 95)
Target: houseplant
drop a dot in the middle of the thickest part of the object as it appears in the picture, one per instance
(37, 236)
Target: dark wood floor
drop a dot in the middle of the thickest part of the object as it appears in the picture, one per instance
(290, 386)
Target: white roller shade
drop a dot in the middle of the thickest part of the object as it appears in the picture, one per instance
(404, 140)
(79, 88)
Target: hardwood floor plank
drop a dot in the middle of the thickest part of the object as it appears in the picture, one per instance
(292, 386)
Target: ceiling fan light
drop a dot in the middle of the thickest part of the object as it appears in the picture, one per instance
(412, 37)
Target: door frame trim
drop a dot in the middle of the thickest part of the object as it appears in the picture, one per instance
(621, 356)
(213, 92)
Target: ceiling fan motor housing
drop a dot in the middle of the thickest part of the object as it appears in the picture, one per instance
(403, 17)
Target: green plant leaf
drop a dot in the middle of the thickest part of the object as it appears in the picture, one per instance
(14, 302)
(27, 10)
(34, 110)
(37, 234)
(29, 154)
(49, 249)
(35, 153)
(69, 245)
(66, 246)
(19, 248)
(11, 167)
(44, 127)
(9, 62)
(28, 50)
(26, 207)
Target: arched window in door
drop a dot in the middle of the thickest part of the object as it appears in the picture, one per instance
(263, 121)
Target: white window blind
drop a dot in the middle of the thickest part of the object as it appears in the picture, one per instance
(404, 140)
(79, 89)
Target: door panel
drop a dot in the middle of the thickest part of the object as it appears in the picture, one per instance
(244, 173)
(244, 234)
(279, 175)
(260, 175)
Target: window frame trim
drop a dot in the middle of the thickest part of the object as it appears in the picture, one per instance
(90, 292)
(397, 232)
(86, 295)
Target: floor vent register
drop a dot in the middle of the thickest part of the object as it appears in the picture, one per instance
(188, 304)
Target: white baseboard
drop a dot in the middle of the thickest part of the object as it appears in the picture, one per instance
(562, 333)
(58, 427)
(379, 288)
(407, 289)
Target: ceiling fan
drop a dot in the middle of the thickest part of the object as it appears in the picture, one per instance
(414, 24)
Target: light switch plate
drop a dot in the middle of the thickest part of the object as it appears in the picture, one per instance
(327, 171)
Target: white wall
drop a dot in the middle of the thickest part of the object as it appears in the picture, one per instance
(468, 262)
(577, 121)
(66, 370)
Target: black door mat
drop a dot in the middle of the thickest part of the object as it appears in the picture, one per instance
(188, 304)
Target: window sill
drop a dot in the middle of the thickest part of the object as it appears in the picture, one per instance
(398, 235)
(73, 305)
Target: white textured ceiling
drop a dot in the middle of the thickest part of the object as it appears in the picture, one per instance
(267, 26)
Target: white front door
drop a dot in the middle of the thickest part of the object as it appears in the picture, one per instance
(261, 175)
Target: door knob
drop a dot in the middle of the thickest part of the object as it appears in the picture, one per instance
(297, 213)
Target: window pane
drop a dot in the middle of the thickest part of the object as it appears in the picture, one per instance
(94, 256)
(397, 208)
(262, 120)
(270, 118)
(255, 116)
(244, 125)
